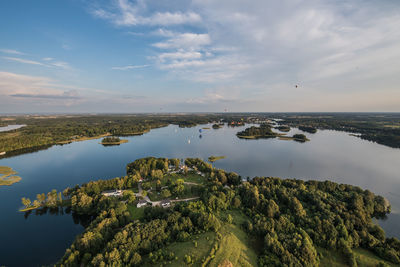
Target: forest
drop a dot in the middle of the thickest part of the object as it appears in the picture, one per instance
(382, 128)
(44, 131)
(289, 221)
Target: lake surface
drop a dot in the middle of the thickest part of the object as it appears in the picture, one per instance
(330, 155)
(11, 127)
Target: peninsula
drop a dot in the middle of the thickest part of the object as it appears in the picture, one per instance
(166, 212)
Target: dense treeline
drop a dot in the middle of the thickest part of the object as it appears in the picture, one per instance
(300, 137)
(42, 132)
(291, 218)
(380, 128)
(294, 217)
(307, 129)
(51, 130)
(283, 128)
(110, 139)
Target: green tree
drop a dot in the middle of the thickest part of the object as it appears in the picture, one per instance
(165, 193)
(26, 202)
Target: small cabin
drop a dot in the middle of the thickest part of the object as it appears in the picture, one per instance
(165, 203)
(141, 203)
(112, 193)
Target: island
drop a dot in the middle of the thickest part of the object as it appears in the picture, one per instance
(296, 137)
(7, 176)
(215, 158)
(166, 212)
(308, 129)
(254, 132)
(283, 128)
(112, 141)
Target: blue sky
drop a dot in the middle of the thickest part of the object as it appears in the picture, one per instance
(199, 55)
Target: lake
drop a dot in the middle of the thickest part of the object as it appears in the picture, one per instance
(11, 127)
(330, 155)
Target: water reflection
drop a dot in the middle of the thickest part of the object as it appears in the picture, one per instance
(83, 220)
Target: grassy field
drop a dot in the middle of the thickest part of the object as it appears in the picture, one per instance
(204, 243)
(187, 193)
(154, 196)
(190, 177)
(136, 213)
(235, 245)
(7, 176)
(364, 258)
(368, 259)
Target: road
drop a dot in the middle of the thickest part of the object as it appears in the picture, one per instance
(157, 203)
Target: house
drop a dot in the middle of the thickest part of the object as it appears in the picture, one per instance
(165, 203)
(112, 193)
(141, 203)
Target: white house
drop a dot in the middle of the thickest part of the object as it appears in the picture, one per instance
(165, 203)
(112, 193)
(141, 203)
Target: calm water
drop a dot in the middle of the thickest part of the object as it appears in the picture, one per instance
(39, 240)
(11, 127)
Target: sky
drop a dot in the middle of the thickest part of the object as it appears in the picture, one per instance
(126, 56)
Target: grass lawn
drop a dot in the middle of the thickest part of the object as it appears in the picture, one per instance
(235, 246)
(136, 213)
(190, 177)
(368, 259)
(364, 258)
(204, 243)
(154, 196)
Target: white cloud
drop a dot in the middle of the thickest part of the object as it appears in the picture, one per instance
(179, 56)
(25, 61)
(13, 83)
(169, 18)
(49, 62)
(61, 64)
(11, 51)
(130, 67)
(185, 40)
(125, 13)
